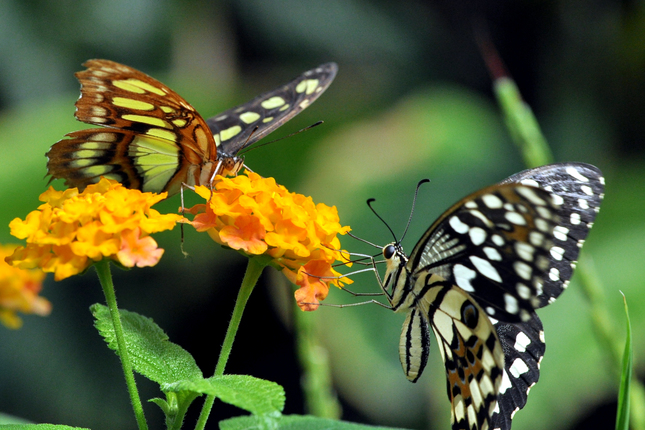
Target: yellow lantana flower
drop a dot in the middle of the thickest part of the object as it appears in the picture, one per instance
(255, 215)
(71, 230)
(19, 291)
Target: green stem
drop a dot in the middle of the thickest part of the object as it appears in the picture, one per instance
(253, 271)
(317, 386)
(105, 278)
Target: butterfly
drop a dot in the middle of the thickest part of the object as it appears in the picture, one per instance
(153, 140)
(476, 277)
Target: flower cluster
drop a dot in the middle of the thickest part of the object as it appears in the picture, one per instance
(258, 217)
(71, 230)
(19, 291)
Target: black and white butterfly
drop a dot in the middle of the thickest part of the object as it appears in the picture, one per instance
(477, 275)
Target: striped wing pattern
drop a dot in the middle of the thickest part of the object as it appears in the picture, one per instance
(152, 139)
(476, 277)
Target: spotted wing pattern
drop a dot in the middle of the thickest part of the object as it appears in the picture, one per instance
(152, 139)
(243, 125)
(523, 346)
(490, 258)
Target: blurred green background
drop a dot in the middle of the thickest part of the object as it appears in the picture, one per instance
(412, 100)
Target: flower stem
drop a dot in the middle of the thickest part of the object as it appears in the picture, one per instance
(105, 277)
(253, 271)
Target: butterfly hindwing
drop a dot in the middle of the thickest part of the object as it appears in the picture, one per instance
(137, 161)
(469, 347)
(523, 346)
(243, 125)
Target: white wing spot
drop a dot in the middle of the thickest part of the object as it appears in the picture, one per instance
(521, 342)
(518, 368)
(485, 268)
(576, 174)
(471, 204)
(583, 204)
(523, 270)
(524, 250)
(560, 233)
(587, 190)
(575, 218)
(530, 195)
(544, 212)
(530, 182)
(515, 218)
(457, 225)
(557, 253)
(536, 238)
(510, 304)
(492, 201)
(554, 274)
(463, 275)
(490, 310)
(477, 235)
(498, 240)
(541, 224)
(482, 217)
(506, 383)
(557, 200)
(492, 254)
(523, 291)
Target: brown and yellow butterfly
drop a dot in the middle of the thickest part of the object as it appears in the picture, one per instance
(154, 140)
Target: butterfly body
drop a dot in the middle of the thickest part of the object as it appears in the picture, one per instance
(477, 275)
(153, 140)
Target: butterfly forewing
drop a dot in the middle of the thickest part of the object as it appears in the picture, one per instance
(579, 188)
(243, 125)
(118, 96)
(493, 244)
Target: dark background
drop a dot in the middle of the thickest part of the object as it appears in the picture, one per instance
(412, 100)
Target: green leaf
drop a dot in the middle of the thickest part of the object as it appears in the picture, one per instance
(622, 416)
(39, 427)
(152, 355)
(292, 422)
(254, 395)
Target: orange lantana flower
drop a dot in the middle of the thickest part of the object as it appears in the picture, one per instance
(19, 291)
(256, 216)
(71, 230)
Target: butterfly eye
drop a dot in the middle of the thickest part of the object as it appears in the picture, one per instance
(389, 251)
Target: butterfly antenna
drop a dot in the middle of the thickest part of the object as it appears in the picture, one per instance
(309, 127)
(369, 203)
(364, 241)
(414, 202)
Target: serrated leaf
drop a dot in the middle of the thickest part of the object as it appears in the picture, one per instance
(622, 416)
(39, 427)
(292, 422)
(151, 353)
(252, 394)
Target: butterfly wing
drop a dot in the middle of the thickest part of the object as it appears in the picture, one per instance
(500, 244)
(469, 346)
(523, 346)
(580, 189)
(151, 131)
(244, 125)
